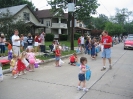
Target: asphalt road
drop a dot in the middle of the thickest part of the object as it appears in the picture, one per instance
(50, 82)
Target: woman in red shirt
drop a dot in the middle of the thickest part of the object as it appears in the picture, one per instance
(57, 56)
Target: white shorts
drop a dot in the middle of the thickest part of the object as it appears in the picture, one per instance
(36, 44)
(16, 50)
(26, 63)
(30, 47)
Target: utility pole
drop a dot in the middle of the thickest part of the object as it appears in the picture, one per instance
(72, 29)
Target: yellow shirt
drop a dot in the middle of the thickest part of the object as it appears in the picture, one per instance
(13, 63)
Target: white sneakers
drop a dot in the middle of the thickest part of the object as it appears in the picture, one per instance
(15, 76)
(84, 89)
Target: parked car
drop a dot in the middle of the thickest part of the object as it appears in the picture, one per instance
(130, 35)
(128, 44)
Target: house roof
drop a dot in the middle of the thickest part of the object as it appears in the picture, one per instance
(16, 9)
(47, 14)
(13, 10)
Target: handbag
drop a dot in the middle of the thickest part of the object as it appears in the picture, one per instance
(88, 73)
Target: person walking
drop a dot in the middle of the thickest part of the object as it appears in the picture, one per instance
(106, 54)
(16, 42)
(82, 43)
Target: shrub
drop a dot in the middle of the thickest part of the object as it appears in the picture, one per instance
(63, 37)
(49, 37)
(76, 36)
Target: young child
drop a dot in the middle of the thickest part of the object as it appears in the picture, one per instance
(73, 59)
(82, 72)
(13, 66)
(23, 58)
(57, 56)
(9, 46)
(32, 59)
(93, 49)
(21, 66)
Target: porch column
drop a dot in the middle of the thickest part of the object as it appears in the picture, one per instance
(59, 20)
(59, 31)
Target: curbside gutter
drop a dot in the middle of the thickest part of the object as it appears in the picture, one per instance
(45, 61)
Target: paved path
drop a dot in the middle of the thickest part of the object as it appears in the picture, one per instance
(50, 82)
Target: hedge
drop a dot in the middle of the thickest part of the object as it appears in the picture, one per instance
(49, 37)
(76, 36)
(63, 37)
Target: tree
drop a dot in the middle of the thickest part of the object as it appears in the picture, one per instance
(83, 9)
(8, 24)
(9, 3)
(114, 28)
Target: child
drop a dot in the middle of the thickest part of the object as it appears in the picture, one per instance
(31, 59)
(93, 49)
(9, 50)
(21, 66)
(57, 56)
(82, 72)
(13, 67)
(23, 58)
(73, 59)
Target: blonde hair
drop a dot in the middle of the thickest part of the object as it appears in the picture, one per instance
(23, 54)
(14, 56)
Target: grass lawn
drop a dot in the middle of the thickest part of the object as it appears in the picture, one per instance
(66, 43)
(7, 66)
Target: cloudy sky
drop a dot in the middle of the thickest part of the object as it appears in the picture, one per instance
(106, 7)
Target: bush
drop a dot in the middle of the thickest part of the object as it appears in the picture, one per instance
(63, 37)
(49, 37)
(76, 36)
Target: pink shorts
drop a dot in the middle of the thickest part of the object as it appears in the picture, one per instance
(32, 61)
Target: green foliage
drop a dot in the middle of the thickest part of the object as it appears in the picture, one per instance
(114, 28)
(83, 7)
(9, 3)
(63, 37)
(76, 36)
(8, 25)
(49, 37)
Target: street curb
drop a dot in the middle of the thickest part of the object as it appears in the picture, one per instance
(45, 61)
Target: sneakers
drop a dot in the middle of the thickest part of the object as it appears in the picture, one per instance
(110, 67)
(15, 76)
(85, 89)
(79, 88)
(103, 69)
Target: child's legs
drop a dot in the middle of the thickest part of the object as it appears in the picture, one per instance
(79, 83)
(84, 84)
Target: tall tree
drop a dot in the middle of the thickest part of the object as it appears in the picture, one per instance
(83, 9)
(9, 3)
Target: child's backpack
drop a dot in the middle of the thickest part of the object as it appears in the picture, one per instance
(88, 73)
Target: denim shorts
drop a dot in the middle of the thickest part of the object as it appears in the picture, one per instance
(106, 53)
(81, 77)
(57, 58)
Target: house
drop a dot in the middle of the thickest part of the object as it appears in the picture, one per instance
(24, 13)
(80, 27)
(54, 24)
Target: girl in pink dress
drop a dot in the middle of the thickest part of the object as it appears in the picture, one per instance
(32, 59)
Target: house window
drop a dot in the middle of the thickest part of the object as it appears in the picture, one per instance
(26, 16)
(42, 21)
(80, 25)
(48, 23)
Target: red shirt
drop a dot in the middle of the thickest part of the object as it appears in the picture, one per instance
(106, 39)
(37, 39)
(57, 52)
(72, 58)
(79, 41)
